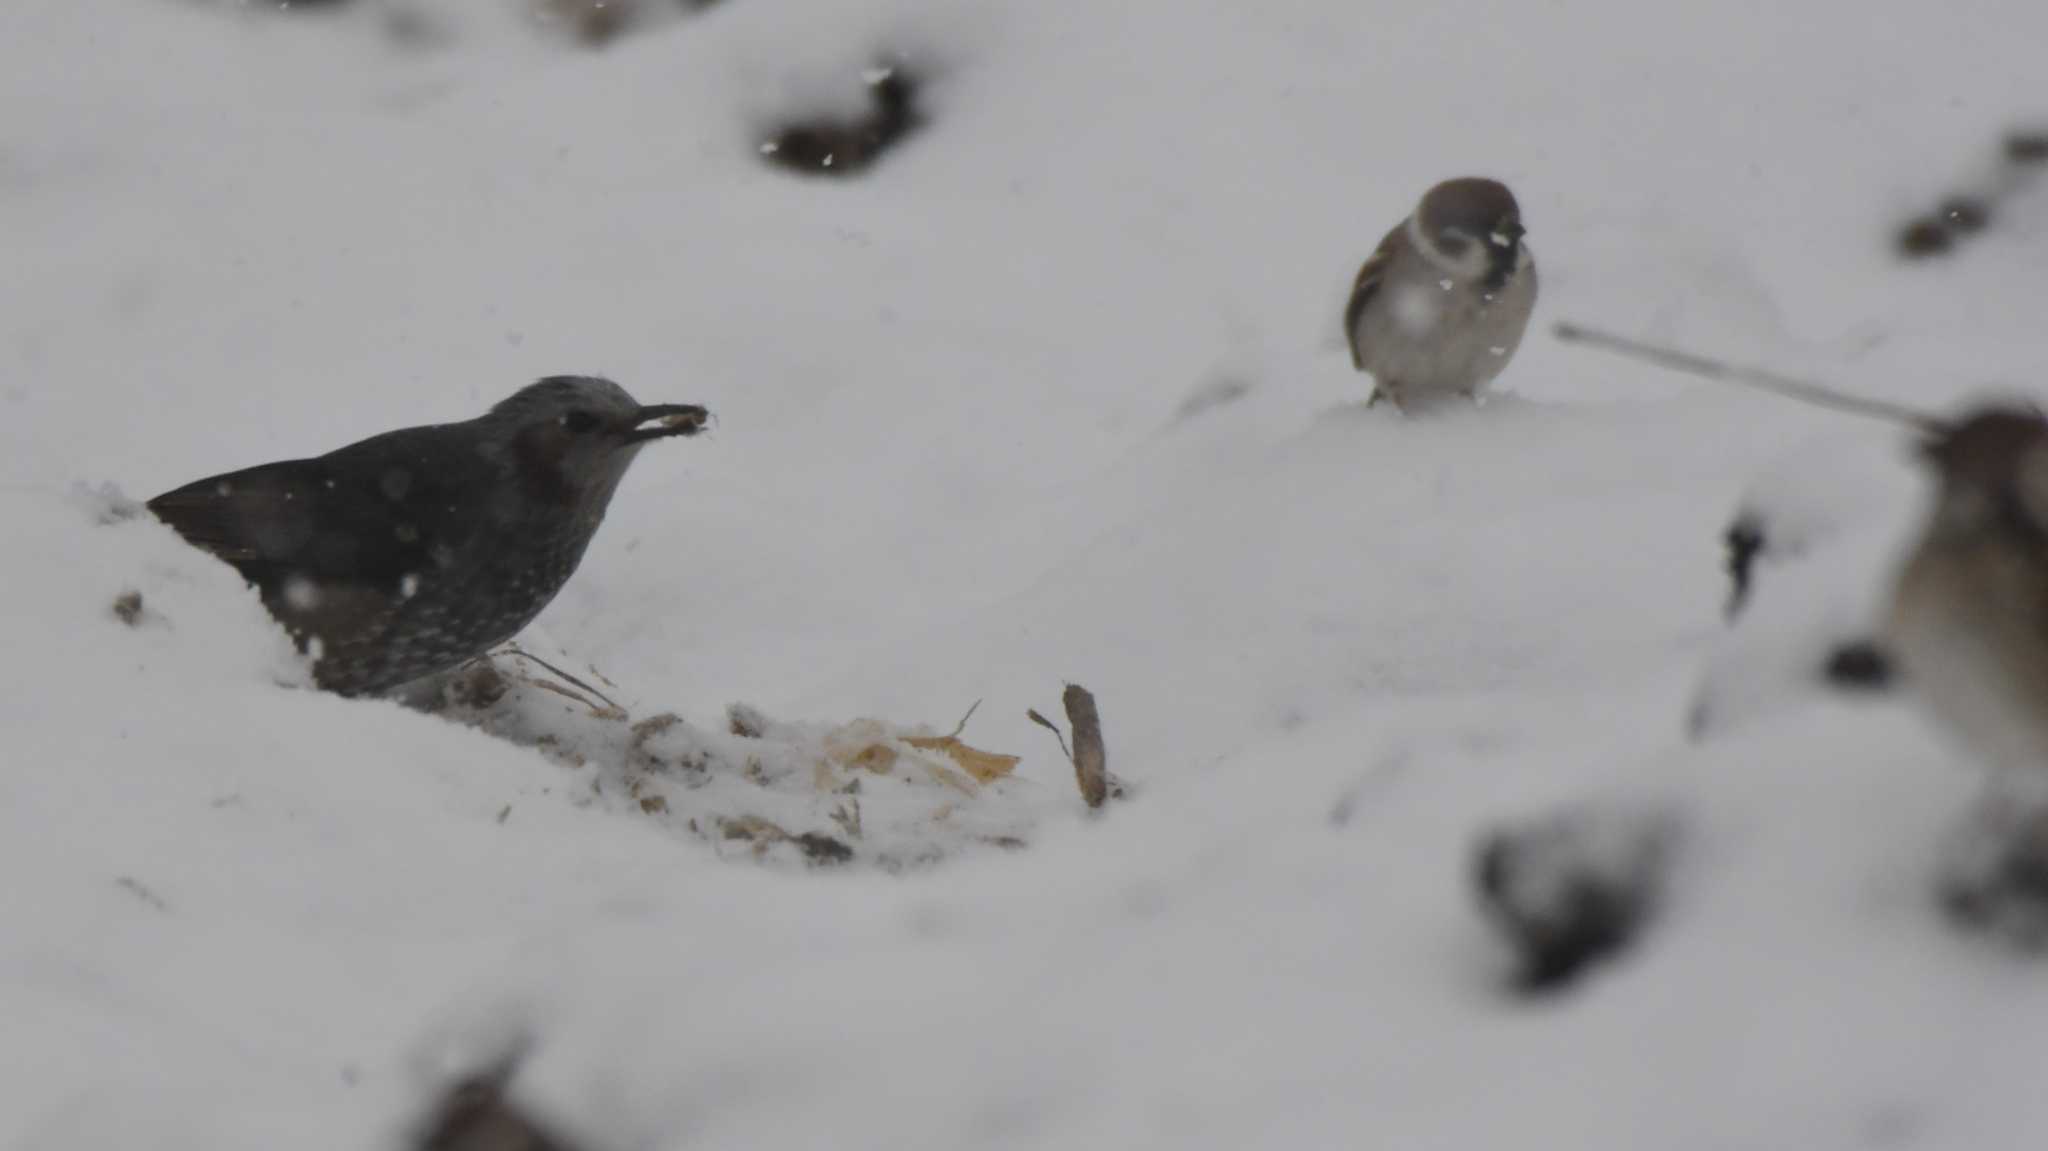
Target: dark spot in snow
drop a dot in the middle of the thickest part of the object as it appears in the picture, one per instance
(597, 23)
(2027, 147)
(822, 849)
(1744, 540)
(1570, 892)
(1859, 665)
(141, 891)
(1995, 878)
(1219, 391)
(746, 721)
(128, 607)
(827, 146)
(1967, 213)
(1924, 237)
(475, 1115)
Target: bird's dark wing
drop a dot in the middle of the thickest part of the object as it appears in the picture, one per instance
(1364, 289)
(368, 514)
(217, 513)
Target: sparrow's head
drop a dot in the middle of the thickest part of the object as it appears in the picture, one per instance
(1472, 228)
(1993, 469)
(572, 437)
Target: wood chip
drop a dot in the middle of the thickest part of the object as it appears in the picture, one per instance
(1091, 757)
(984, 766)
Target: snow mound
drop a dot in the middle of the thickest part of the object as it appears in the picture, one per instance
(824, 794)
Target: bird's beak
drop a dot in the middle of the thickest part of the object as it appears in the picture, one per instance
(1507, 234)
(659, 421)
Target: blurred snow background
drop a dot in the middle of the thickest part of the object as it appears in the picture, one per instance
(1052, 392)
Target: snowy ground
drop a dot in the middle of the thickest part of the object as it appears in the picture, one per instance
(1054, 393)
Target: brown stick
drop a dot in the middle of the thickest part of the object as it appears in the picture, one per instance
(1758, 378)
(1091, 758)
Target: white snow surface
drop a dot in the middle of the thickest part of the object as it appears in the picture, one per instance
(1050, 394)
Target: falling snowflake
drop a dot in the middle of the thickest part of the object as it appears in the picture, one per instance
(301, 594)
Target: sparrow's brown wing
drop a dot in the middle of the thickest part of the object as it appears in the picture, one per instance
(1365, 288)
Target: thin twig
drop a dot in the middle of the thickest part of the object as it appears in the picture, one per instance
(1032, 715)
(568, 693)
(511, 649)
(962, 725)
(140, 890)
(1804, 391)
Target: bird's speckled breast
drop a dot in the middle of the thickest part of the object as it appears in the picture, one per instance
(469, 598)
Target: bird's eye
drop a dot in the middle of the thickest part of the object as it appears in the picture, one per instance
(580, 422)
(1451, 243)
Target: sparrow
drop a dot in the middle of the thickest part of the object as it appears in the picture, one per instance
(411, 552)
(1441, 305)
(1968, 620)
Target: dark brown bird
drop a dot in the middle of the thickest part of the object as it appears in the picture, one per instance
(410, 552)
